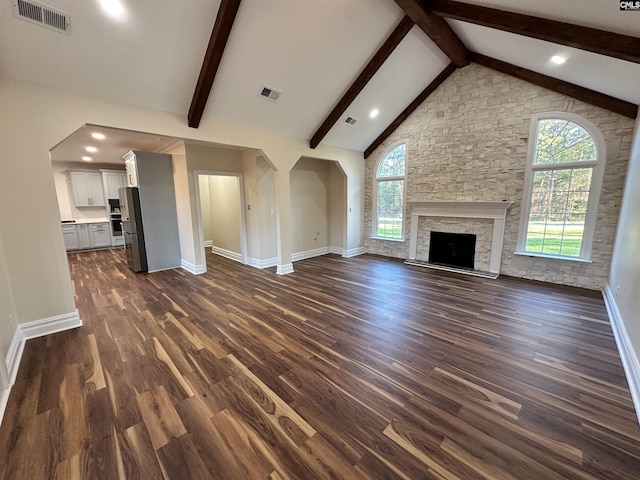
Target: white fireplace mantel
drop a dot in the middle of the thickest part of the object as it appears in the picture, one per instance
(490, 210)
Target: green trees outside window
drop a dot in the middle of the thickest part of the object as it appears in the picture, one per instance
(390, 193)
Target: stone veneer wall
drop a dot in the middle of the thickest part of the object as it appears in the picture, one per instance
(468, 141)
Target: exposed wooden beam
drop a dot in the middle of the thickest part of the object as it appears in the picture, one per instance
(611, 44)
(586, 95)
(219, 36)
(437, 29)
(367, 74)
(412, 106)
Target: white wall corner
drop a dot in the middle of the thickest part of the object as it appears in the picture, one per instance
(628, 356)
(284, 269)
(35, 329)
(236, 257)
(296, 257)
(191, 268)
(269, 262)
(208, 243)
(353, 252)
(336, 250)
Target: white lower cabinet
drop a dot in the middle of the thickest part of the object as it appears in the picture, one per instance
(99, 235)
(86, 235)
(83, 236)
(70, 237)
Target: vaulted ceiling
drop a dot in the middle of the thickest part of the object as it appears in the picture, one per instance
(329, 58)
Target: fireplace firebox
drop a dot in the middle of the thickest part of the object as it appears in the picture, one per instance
(452, 249)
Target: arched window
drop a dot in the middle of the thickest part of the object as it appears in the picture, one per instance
(562, 187)
(389, 193)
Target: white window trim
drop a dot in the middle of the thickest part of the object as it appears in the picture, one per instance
(374, 212)
(594, 191)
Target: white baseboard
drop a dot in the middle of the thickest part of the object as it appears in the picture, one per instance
(236, 257)
(295, 257)
(194, 269)
(208, 243)
(27, 331)
(627, 354)
(268, 263)
(284, 269)
(353, 252)
(336, 250)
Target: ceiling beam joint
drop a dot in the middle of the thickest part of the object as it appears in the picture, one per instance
(437, 29)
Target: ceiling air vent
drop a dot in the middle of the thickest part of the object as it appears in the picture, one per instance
(270, 94)
(350, 120)
(41, 15)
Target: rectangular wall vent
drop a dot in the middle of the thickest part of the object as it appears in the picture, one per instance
(41, 15)
(270, 94)
(350, 120)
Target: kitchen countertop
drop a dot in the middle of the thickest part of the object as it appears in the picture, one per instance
(84, 221)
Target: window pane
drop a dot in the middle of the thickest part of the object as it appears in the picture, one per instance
(560, 141)
(392, 165)
(558, 211)
(390, 209)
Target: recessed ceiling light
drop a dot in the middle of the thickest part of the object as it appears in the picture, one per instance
(87, 159)
(558, 60)
(374, 113)
(91, 149)
(98, 136)
(113, 8)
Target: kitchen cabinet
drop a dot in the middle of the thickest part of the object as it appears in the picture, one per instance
(87, 189)
(99, 235)
(70, 237)
(132, 170)
(113, 181)
(83, 236)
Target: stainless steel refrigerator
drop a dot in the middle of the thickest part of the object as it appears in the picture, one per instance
(133, 229)
(149, 216)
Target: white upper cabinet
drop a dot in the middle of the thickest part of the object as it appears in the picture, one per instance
(113, 181)
(87, 189)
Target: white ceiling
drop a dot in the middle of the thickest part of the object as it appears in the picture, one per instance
(110, 150)
(310, 50)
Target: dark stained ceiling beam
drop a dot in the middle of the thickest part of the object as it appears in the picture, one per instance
(449, 69)
(367, 74)
(611, 44)
(437, 29)
(218, 41)
(586, 95)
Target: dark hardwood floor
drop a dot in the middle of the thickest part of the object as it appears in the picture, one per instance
(347, 368)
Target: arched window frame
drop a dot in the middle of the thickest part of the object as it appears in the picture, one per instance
(594, 191)
(376, 181)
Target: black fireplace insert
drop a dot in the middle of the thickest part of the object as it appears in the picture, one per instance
(452, 249)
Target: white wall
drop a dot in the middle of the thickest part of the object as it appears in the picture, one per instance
(310, 205)
(337, 207)
(267, 208)
(624, 279)
(205, 208)
(224, 201)
(32, 122)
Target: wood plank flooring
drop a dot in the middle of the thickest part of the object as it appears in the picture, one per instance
(346, 369)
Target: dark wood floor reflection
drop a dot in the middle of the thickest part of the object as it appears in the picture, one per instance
(347, 368)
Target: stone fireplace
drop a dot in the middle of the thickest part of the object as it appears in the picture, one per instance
(484, 220)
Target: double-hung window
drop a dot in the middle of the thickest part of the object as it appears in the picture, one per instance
(562, 187)
(389, 193)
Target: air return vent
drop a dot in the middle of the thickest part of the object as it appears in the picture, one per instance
(270, 94)
(350, 120)
(41, 15)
